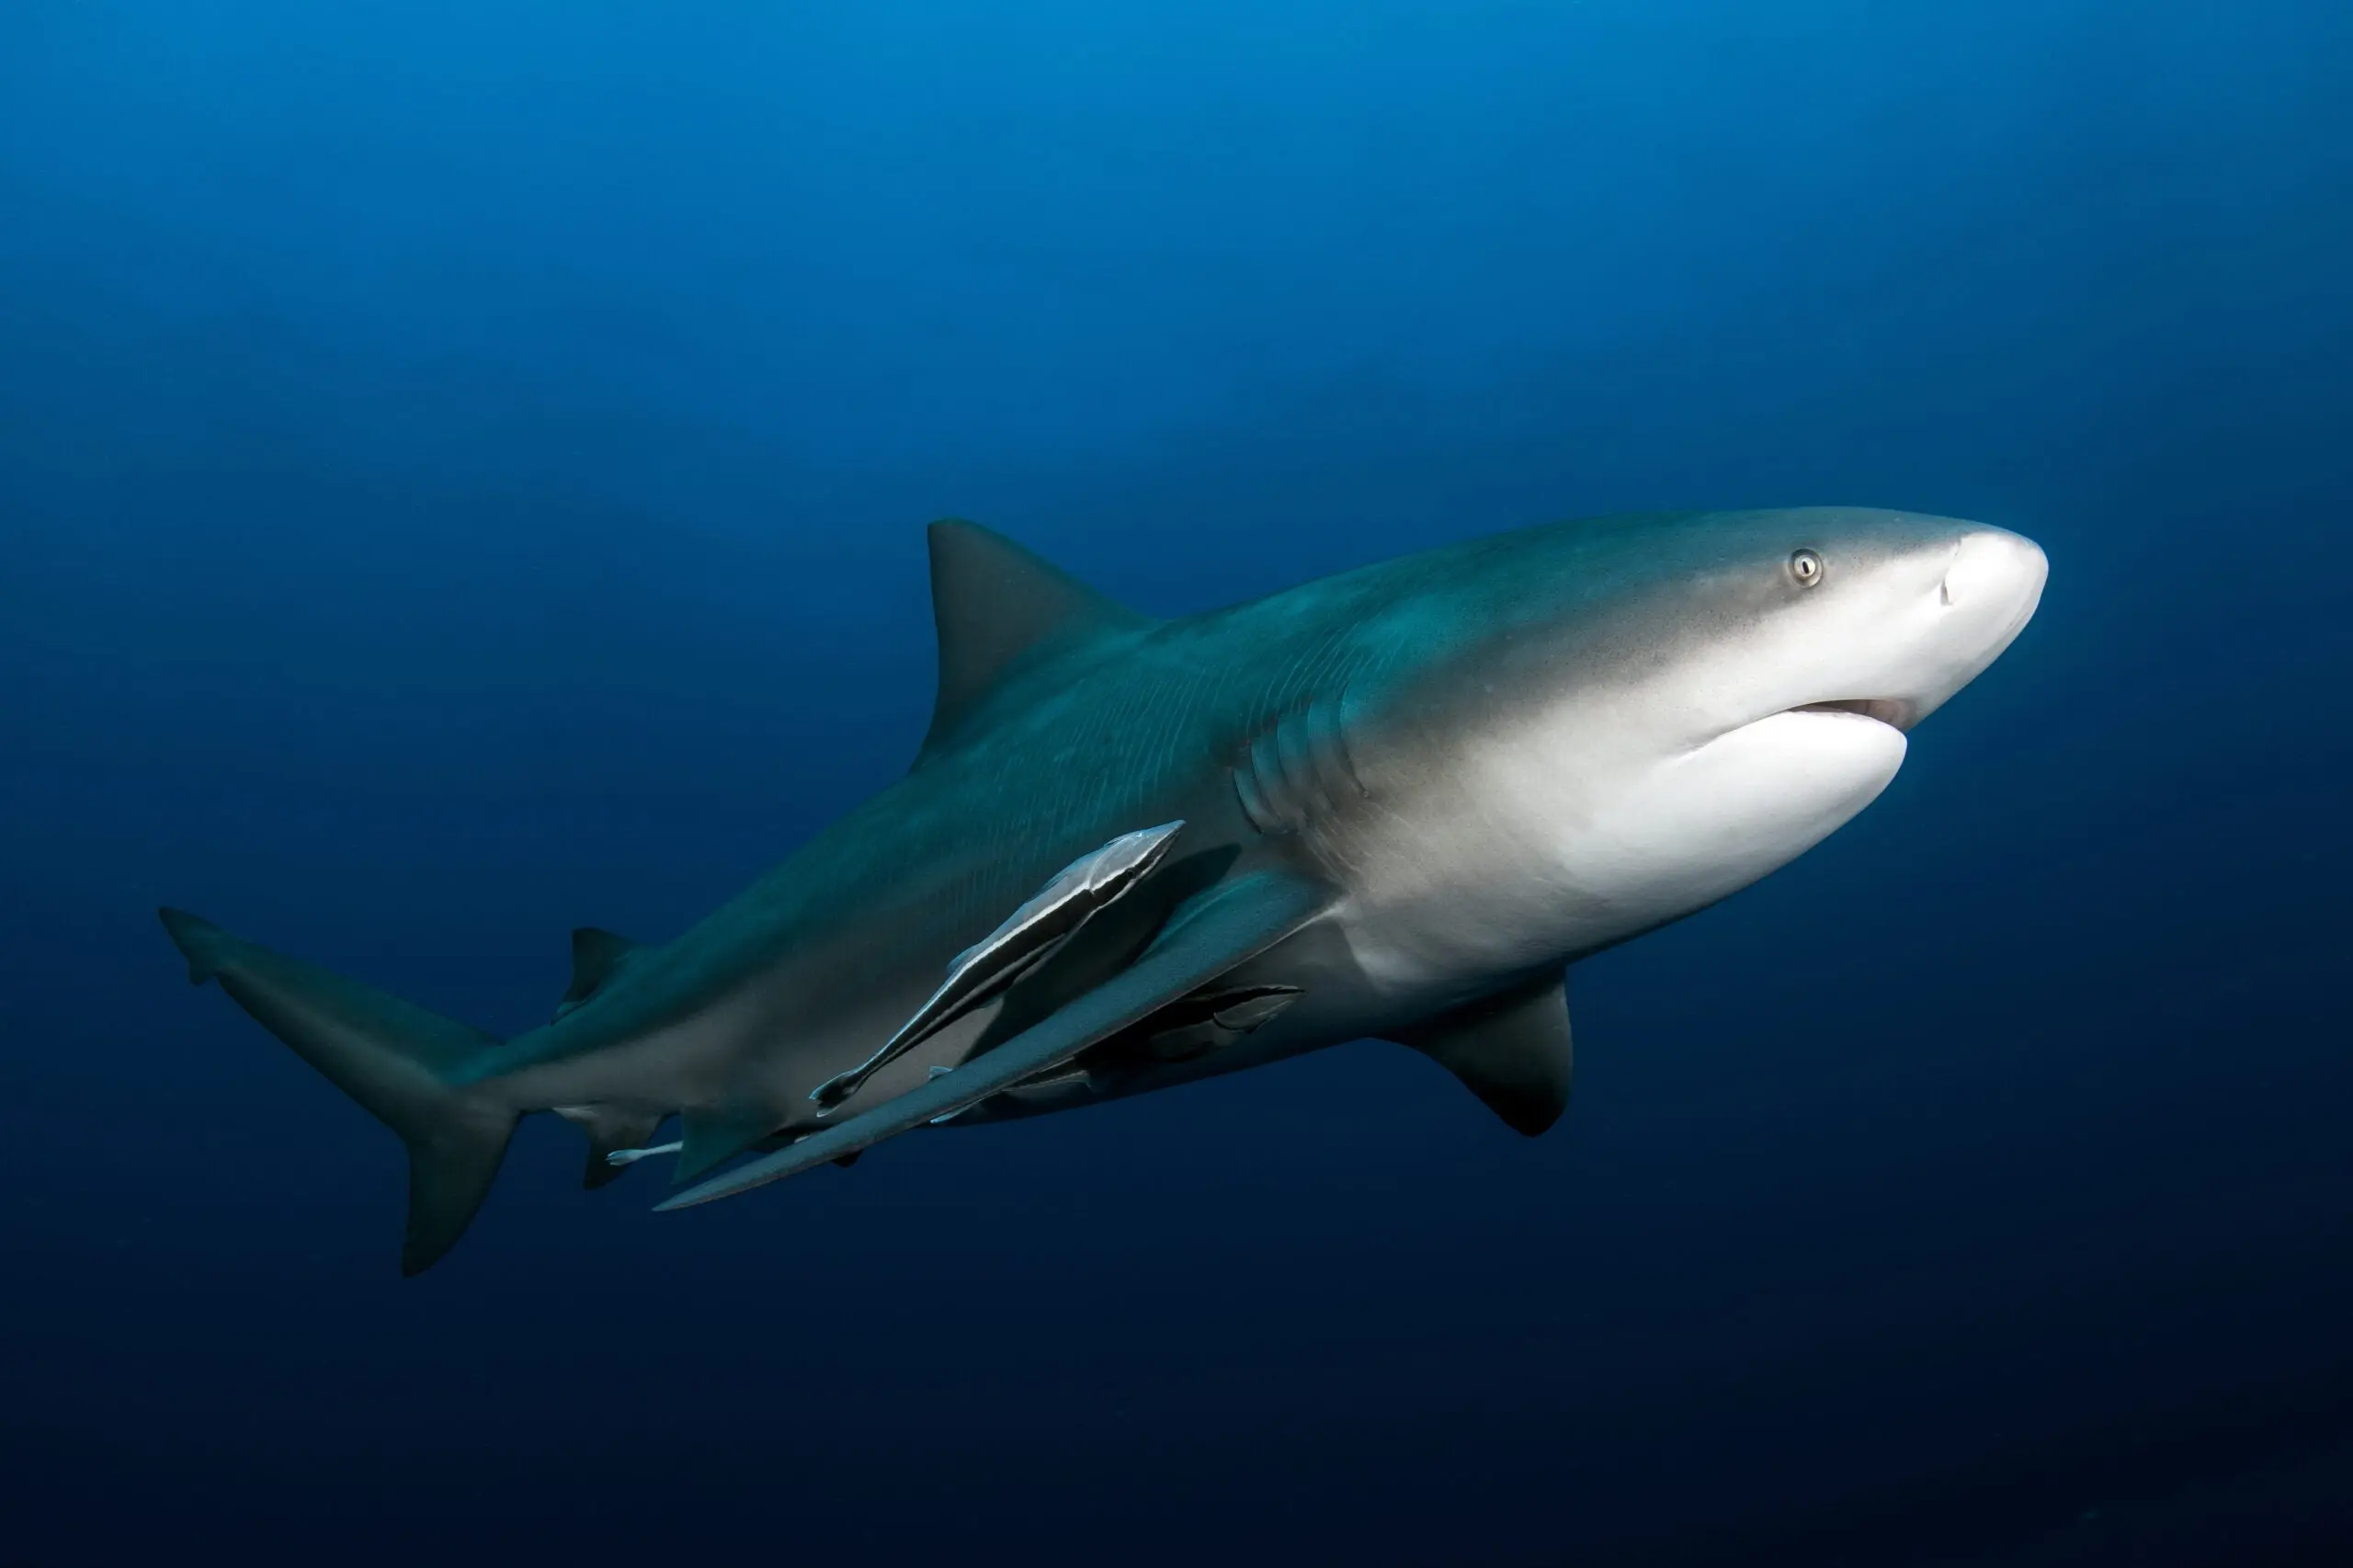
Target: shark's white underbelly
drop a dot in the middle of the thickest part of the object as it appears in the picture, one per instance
(1546, 853)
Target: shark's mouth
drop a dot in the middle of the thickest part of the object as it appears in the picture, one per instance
(1896, 713)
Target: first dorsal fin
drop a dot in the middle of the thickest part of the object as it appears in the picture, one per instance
(994, 602)
(595, 955)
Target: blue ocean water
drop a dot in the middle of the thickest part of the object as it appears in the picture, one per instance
(462, 475)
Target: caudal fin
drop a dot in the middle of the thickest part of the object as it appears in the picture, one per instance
(396, 1060)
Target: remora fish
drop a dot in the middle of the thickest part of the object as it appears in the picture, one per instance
(1398, 803)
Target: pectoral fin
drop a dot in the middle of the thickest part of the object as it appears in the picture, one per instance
(1511, 1050)
(713, 1134)
(1229, 925)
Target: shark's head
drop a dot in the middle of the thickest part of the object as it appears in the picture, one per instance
(1794, 622)
(1647, 714)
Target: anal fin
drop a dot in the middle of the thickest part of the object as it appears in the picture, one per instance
(611, 1127)
(1511, 1048)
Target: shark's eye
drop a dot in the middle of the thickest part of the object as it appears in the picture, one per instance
(1806, 567)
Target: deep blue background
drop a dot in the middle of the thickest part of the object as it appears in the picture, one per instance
(461, 468)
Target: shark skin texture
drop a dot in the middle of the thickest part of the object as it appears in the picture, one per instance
(1395, 804)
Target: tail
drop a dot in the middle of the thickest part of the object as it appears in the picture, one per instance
(394, 1058)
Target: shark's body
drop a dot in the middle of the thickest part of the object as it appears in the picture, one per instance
(1410, 797)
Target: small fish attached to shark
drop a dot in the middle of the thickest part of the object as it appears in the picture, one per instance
(1395, 804)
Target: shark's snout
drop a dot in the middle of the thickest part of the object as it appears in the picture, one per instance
(1991, 587)
(1994, 569)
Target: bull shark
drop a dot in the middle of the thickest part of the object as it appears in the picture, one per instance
(1396, 803)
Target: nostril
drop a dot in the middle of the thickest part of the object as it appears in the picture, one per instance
(1944, 590)
(1988, 569)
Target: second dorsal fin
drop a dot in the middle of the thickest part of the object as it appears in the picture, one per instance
(994, 602)
(595, 955)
